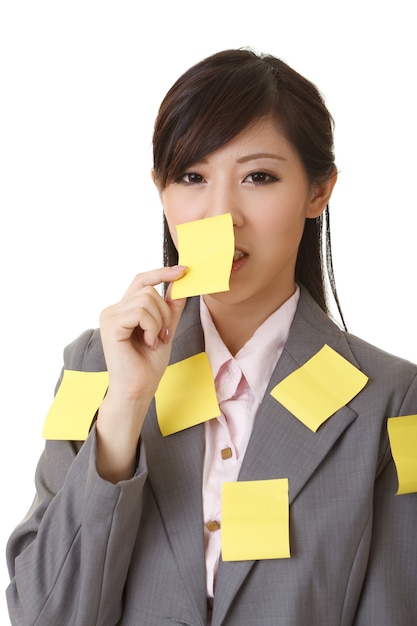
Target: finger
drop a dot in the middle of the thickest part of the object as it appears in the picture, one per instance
(155, 277)
(150, 323)
(160, 317)
(145, 311)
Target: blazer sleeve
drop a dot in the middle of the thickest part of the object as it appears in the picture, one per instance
(389, 591)
(68, 559)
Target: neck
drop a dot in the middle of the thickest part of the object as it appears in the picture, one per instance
(237, 322)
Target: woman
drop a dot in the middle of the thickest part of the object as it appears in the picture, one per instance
(126, 527)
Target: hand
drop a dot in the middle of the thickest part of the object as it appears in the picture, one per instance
(137, 331)
(137, 336)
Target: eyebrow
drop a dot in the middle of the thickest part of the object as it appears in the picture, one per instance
(253, 157)
(261, 155)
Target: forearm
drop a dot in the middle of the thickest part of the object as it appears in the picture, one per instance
(66, 563)
(117, 439)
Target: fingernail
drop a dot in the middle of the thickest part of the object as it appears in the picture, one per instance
(166, 336)
(179, 268)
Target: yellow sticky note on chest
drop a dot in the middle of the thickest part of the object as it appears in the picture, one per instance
(75, 404)
(320, 387)
(255, 520)
(186, 395)
(402, 432)
(206, 247)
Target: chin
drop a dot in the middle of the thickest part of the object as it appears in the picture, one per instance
(232, 297)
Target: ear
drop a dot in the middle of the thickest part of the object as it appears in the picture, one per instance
(320, 196)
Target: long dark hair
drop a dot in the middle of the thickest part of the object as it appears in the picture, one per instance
(218, 98)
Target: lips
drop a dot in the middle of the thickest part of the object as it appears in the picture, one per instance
(239, 259)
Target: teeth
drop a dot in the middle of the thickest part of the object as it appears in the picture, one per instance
(238, 255)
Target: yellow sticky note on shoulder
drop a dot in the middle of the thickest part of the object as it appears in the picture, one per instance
(186, 395)
(206, 247)
(75, 404)
(255, 520)
(320, 387)
(402, 432)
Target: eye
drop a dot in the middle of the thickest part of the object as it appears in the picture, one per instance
(260, 178)
(190, 178)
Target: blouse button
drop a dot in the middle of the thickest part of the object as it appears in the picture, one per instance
(226, 453)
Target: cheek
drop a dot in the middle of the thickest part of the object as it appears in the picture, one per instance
(279, 224)
(280, 236)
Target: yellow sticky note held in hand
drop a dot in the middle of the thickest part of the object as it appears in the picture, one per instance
(402, 432)
(186, 395)
(255, 520)
(206, 248)
(75, 404)
(320, 387)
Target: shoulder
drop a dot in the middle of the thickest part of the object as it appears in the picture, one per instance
(85, 353)
(315, 329)
(375, 358)
(392, 380)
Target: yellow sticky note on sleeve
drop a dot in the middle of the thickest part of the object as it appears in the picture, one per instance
(75, 404)
(206, 247)
(186, 395)
(402, 432)
(255, 520)
(320, 387)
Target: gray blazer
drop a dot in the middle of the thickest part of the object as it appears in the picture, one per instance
(90, 552)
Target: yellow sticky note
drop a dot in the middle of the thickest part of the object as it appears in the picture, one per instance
(75, 404)
(402, 432)
(320, 387)
(186, 395)
(206, 247)
(255, 520)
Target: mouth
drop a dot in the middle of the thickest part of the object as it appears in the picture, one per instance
(238, 254)
(239, 259)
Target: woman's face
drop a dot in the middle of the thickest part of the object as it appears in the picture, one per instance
(259, 179)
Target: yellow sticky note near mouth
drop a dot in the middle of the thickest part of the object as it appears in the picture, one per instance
(320, 387)
(402, 432)
(206, 248)
(255, 520)
(75, 405)
(186, 395)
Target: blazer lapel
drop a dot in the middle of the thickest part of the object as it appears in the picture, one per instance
(175, 465)
(280, 445)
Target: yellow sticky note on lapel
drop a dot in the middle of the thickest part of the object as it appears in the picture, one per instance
(75, 404)
(402, 432)
(186, 395)
(320, 387)
(206, 247)
(255, 520)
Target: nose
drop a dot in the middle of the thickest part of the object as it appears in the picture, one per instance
(223, 198)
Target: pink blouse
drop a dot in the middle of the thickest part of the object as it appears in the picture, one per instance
(240, 385)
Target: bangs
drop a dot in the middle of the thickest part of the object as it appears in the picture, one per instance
(206, 111)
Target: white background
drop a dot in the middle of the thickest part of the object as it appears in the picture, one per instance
(80, 85)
